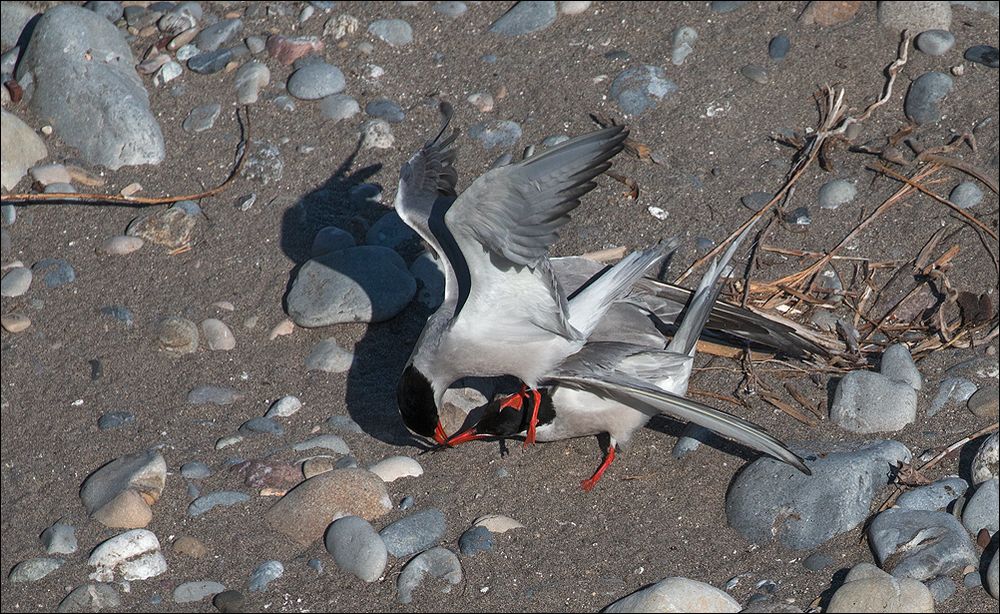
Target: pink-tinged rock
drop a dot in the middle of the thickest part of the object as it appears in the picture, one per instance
(288, 49)
(829, 13)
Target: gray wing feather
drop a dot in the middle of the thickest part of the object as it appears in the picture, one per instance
(429, 175)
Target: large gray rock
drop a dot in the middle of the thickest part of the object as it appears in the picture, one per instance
(359, 284)
(14, 16)
(20, 148)
(897, 365)
(867, 402)
(934, 496)
(983, 508)
(676, 595)
(920, 544)
(771, 500)
(82, 80)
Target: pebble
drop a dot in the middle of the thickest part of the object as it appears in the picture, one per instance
(497, 523)
(229, 601)
(406, 502)
(501, 134)
(316, 80)
(450, 9)
(119, 494)
(339, 107)
(957, 389)
(935, 496)
(213, 395)
(985, 403)
(482, 101)
(985, 462)
(935, 42)
(925, 94)
(47, 174)
(331, 239)
(396, 467)
(414, 533)
(224, 498)
(344, 424)
(33, 570)
(264, 163)
(286, 49)
(393, 32)
(641, 88)
(726, 6)
(316, 466)
(360, 284)
(218, 34)
(676, 595)
(22, 147)
(112, 11)
(682, 44)
(836, 193)
(769, 500)
(182, 39)
(15, 322)
(133, 555)
(898, 365)
(755, 201)
(178, 335)
(16, 282)
(755, 73)
(778, 48)
(920, 544)
(385, 109)
(114, 420)
(256, 44)
(110, 122)
(284, 407)
(202, 118)
(914, 16)
(333, 443)
(987, 55)
(60, 538)
(475, 540)
(211, 62)
(983, 509)
(357, 548)
(261, 425)
(327, 355)
(195, 470)
(218, 336)
(525, 18)
(264, 574)
(305, 512)
(818, 561)
(377, 133)
(347, 462)
(389, 231)
(191, 592)
(941, 589)
(251, 78)
(179, 18)
(120, 245)
(54, 272)
(172, 228)
(59, 188)
(869, 589)
(438, 562)
(799, 216)
(120, 313)
(91, 598)
(966, 195)
(866, 402)
(574, 7)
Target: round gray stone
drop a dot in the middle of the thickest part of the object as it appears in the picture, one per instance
(983, 509)
(924, 96)
(935, 42)
(327, 355)
(315, 81)
(920, 544)
(778, 48)
(414, 533)
(438, 562)
(935, 496)
(16, 282)
(641, 88)
(393, 32)
(339, 107)
(867, 402)
(966, 195)
(357, 548)
(525, 18)
(191, 592)
(836, 193)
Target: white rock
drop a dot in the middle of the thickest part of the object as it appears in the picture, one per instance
(985, 462)
(396, 467)
(497, 523)
(677, 595)
(284, 407)
(217, 335)
(133, 555)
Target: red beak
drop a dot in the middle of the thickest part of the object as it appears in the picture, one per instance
(439, 435)
(463, 437)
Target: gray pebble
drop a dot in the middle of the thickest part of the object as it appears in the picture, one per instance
(406, 503)
(218, 34)
(33, 570)
(525, 18)
(956, 389)
(60, 538)
(414, 533)
(966, 195)
(755, 73)
(120, 313)
(7, 212)
(914, 16)
(377, 133)
(836, 193)
(327, 442)
(770, 500)
(256, 44)
(344, 424)
(682, 43)
(54, 272)
(941, 589)
(263, 425)
(641, 88)
(347, 462)
(316, 81)
(692, 438)
(987, 55)
(224, 498)
(115, 419)
(218, 336)
(924, 96)
(91, 598)
(266, 572)
(191, 592)
(935, 42)
(195, 470)
(983, 509)
(778, 48)
(284, 407)
(327, 355)
(211, 62)
(972, 579)
(451, 9)
(501, 134)
(339, 107)
(726, 6)
(985, 403)
(755, 201)
(935, 496)
(386, 109)
(202, 118)
(250, 79)
(799, 216)
(264, 163)
(818, 561)
(866, 402)
(331, 239)
(898, 365)
(16, 282)
(394, 32)
(214, 395)
(357, 548)
(920, 544)
(475, 540)
(439, 562)
(555, 139)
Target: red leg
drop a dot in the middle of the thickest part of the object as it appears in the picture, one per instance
(536, 402)
(610, 456)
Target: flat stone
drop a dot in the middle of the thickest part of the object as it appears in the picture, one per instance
(985, 403)
(956, 389)
(213, 395)
(920, 544)
(475, 540)
(119, 494)
(497, 523)
(15, 322)
(414, 533)
(987, 55)
(211, 62)
(54, 272)
(21, 148)
(115, 420)
(755, 73)
(869, 589)
(770, 500)
(867, 402)
(133, 555)
(251, 78)
(33, 570)
(178, 335)
(897, 364)
(172, 228)
(327, 355)
(778, 48)
(218, 336)
(641, 88)
(386, 109)
(525, 18)
(438, 562)
(218, 34)
(726, 6)
(16, 282)
(120, 245)
(333, 443)
(48, 174)
(192, 592)
(935, 42)
(261, 424)
(925, 94)
(304, 513)
(396, 467)
(316, 80)
(60, 538)
(91, 598)
(682, 44)
(331, 239)
(983, 509)
(935, 496)
(264, 574)
(339, 107)
(284, 407)
(377, 133)
(914, 16)
(451, 9)
(676, 595)
(966, 195)
(502, 134)
(835, 193)
(202, 118)
(224, 498)
(357, 548)
(393, 32)
(755, 201)
(195, 470)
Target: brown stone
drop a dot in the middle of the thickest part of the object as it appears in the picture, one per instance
(287, 49)
(190, 546)
(829, 13)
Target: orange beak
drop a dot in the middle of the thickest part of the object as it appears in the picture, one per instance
(463, 437)
(439, 435)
